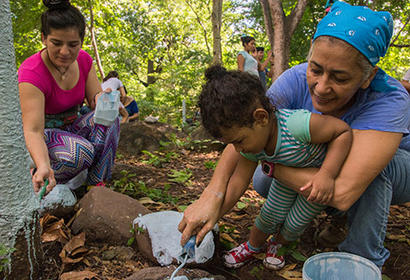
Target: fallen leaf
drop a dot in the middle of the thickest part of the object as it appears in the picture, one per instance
(227, 237)
(146, 200)
(398, 237)
(70, 252)
(79, 275)
(288, 273)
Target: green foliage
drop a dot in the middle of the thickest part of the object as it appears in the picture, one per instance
(181, 177)
(257, 271)
(292, 249)
(210, 164)
(159, 158)
(127, 185)
(147, 41)
(4, 256)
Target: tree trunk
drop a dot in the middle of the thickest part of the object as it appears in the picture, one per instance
(19, 228)
(216, 31)
(94, 42)
(268, 21)
(284, 27)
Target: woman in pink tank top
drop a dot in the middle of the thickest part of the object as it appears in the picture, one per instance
(53, 84)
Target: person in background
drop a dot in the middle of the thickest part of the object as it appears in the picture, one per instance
(406, 81)
(264, 71)
(131, 106)
(341, 78)
(246, 61)
(112, 82)
(52, 86)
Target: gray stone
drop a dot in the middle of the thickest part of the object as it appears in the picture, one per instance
(59, 202)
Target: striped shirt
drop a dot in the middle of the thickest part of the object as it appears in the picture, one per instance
(293, 146)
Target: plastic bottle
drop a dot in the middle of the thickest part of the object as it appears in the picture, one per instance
(107, 108)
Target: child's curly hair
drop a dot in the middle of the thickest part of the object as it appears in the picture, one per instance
(229, 98)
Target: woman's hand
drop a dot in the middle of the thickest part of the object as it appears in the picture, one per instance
(39, 177)
(201, 216)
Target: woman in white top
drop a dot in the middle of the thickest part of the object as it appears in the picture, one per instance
(246, 62)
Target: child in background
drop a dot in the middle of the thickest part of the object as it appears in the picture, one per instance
(234, 108)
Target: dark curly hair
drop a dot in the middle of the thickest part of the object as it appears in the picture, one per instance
(229, 98)
(60, 14)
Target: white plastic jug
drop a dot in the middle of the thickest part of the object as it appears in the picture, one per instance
(107, 108)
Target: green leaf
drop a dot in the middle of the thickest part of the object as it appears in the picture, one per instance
(181, 208)
(298, 256)
(130, 241)
(241, 205)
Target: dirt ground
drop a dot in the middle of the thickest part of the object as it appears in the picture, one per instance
(234, 226)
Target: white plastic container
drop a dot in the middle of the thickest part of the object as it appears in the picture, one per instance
(107, 108)
(340, 266)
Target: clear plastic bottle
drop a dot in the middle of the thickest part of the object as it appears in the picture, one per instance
(107, 108)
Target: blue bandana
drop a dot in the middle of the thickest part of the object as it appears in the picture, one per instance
(366, 30)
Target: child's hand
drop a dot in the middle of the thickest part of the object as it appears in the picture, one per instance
(322, 187)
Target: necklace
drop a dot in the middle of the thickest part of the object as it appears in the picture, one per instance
(63, 75)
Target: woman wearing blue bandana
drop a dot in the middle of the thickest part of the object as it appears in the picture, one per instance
(340, 79)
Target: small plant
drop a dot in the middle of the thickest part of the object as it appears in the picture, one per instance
(125, 184)
(210, 164)
(292, 250)
(152, 159)
(157, 194)
(257, 271)
(181, 177)
(132, 239)
(4, 256)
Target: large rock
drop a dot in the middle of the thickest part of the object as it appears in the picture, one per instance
(107, 215)
(160, 273)
(138, 136)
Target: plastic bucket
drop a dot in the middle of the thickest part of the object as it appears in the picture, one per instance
(340, 266)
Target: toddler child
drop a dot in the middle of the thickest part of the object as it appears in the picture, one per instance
(234, 108)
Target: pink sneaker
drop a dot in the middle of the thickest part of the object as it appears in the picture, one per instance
(238, 256)
(100, 184)
(272, 261)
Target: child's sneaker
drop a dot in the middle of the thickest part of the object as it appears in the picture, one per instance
(238, 256)
(272, 260)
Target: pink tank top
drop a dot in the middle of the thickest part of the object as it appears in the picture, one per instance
(34, 71)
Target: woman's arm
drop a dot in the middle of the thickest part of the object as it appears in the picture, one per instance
(204, 213)
(263, 65)
(371, 151)
(133, 117)
(122, 91)
(124, 114)
(32, 107)
(92, 88)
(241, 62)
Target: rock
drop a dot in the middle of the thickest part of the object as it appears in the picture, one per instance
(138, 136)
(122, 253)
(144, 243)
(59, 202)
(160, 273)
(107, 215)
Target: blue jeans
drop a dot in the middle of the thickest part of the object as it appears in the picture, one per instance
(367, 218)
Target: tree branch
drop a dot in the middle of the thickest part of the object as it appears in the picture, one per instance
(397, 36)
(296, 15)
(203, 27)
